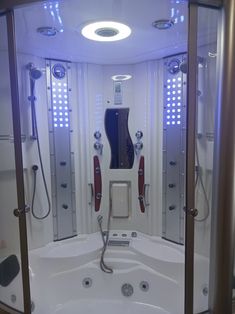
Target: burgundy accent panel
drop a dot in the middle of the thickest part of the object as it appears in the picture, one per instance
(97, 183)
(141, 184)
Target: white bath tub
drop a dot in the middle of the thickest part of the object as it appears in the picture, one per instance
(59, 269)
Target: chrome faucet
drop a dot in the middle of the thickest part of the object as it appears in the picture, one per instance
(98, 146)
(138, 146)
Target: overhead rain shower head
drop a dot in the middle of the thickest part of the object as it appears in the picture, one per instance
(34, 72)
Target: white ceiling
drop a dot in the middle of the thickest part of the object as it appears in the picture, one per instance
(145, 42)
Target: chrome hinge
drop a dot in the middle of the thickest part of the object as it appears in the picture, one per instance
(192, 211)
(17, 212)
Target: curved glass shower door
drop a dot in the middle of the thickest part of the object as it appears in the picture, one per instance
(207, 99)
(12, 229)
(202, 79)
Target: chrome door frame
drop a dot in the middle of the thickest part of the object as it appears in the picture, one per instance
(190, 157)
(20, 211)
(223, 220)
(225, 201)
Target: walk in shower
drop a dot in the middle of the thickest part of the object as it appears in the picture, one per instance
(109, 114)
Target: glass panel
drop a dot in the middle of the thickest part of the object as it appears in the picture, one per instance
(206, 107)
(11, 292)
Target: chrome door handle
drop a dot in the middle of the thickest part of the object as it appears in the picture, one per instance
(18, 212)
(192, 211)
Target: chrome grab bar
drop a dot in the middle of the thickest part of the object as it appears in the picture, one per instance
(10, 138)
(146, 195)
(90, 202)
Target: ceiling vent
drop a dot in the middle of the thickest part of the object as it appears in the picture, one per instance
(163, 24)
(106, 32)
(47, 31)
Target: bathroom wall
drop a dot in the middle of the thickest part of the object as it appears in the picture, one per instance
(92, 93)
(39, 232)
(142, 94)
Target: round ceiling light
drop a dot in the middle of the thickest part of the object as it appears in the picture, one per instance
(121, 77)
(163, 24)
(106, 31)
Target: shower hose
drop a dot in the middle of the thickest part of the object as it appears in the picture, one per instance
(199, 179)
(35, 169)
(105, 239)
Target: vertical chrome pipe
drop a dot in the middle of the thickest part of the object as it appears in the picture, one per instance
(18, 159)
(32, 100)
(223, 217)
(190, 156)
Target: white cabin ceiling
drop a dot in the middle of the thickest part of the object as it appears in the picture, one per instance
(144, 43)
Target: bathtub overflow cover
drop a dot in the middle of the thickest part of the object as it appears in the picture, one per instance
(127, 290)
(144, 286)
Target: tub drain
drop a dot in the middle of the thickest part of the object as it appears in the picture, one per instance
(127, 290)
(87, 282)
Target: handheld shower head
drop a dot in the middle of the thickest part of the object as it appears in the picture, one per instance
(34, 73)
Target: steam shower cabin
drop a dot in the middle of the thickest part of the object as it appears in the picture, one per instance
(117, 156)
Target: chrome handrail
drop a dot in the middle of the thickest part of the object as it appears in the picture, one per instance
(10, 138)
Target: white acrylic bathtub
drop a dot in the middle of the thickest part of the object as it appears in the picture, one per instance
(59, 269)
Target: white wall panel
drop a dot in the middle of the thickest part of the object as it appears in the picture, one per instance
(143, 96)
(40, 232)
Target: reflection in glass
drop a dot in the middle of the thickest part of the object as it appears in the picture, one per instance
(116, 127)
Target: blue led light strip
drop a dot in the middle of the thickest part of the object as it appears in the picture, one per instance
(173, 99)
(60, 105)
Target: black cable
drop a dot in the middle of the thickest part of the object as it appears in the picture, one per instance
(103, 266)
(200, 179)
